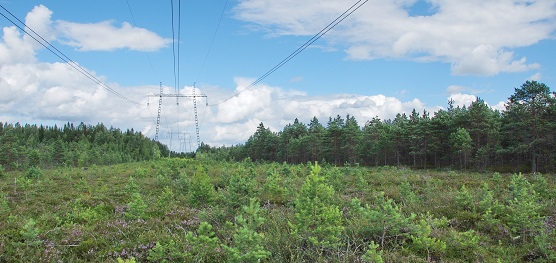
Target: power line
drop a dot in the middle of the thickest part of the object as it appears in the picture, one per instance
(212, 40)
(179, 41)
(325, 30)
(176, 57)
(141, 38)
(178, 86)
(174, 47)
(62, 56)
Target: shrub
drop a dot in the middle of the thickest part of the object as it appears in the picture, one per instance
(166, 199)
(273, 189)
(137, 207)
(372, 255)
(464, 245)
(83, 214)
(33, 172)
(384, 221)
(465, 200)
(246, 245)
(408, 196)
(423, 242)
(523, 209)
(167, 252)
(131, 187)
(317, 221)
(204, 244)
(202, 191)
(128, 260)
(30, 233)
(140, 172)
(545, 244)
(240, 189)
(4, 205)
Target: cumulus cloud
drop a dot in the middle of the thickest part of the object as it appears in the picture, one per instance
(14, 49)
(237, 118)
(486, 60)
(105, 36)
(39, 20)
(473, 36)
(100, 36)
(501, 106)
(462, 99)
(247, 103)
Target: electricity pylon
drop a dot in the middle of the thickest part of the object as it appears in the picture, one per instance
(177, 96)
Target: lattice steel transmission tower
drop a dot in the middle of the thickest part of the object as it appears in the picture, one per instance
(178, 95)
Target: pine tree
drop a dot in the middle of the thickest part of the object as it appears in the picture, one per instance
(247, 243)
(529, 123)
(461, 144)
(318, 222)
(204, 244)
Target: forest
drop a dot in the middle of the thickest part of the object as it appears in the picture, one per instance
(24, 146)
(519, 139)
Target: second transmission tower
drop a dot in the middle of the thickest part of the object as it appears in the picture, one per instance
(178, 95)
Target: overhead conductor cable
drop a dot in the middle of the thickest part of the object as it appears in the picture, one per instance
(62, 56)
(325, 30)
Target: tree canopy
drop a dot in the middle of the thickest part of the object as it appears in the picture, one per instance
(520, 138)
(82, 145)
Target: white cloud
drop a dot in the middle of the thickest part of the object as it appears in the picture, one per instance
(501, 106)
(236, 119)
(236, 132)
(475, 37)
(462, 99)
(39, 20)
(537, 76)
(14, 49)
(101, 36)
(487, 60)
(248, 103)
(105, 36)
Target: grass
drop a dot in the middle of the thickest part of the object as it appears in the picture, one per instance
(82, 214)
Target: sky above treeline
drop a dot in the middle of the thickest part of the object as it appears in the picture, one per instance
(387, 57)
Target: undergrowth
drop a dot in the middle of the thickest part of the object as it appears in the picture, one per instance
(183, 210)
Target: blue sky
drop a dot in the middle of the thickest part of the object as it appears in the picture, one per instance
(387, 57)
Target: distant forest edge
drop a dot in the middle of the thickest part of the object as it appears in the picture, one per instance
(522, 138)
(519, 139)
(23, 146)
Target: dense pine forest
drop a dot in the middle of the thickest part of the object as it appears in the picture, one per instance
(24, 146)
(520, 138)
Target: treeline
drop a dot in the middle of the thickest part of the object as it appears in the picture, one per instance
(23, 146)
(520, 138)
